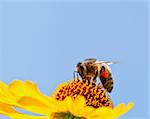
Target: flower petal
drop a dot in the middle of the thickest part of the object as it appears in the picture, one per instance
(34, 105)
(9, 111)
(87, 111)
(122, 109)
(5, 95)
(78, 105)
(23, 116)
(25, 95)
(6, 108)
(119, 108)
(29, 101)
(103, 112)
(128, 107)
(19, 89)
(68, 101)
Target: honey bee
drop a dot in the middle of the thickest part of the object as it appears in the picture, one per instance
(90, 69)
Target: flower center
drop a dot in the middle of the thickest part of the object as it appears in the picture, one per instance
(94, 94)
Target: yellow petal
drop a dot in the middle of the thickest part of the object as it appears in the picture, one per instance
(128, 107)
(78, 105)
(6, 108)
(103, 112)
(19, 89)
(34, 105)
(9, 111)
(30, 101)
(23, 116)
(87, 111)
(118, 109)
(122, 109)
(25, 95)
(68, 101)
(5, 95)
(60, 106)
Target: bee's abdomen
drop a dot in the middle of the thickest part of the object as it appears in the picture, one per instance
(107, 83)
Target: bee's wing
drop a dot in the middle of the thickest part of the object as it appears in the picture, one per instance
(92, 60)
(106, 62)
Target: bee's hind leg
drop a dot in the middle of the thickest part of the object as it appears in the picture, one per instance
(105, 91)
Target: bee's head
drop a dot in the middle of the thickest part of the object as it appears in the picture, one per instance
(80, 68)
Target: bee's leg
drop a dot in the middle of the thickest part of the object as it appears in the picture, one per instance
(77, 76)
(84, 80)
(99, 85)
(74, 75)
(104, 88)
(105, 91)
(88, 80)
(94, 78)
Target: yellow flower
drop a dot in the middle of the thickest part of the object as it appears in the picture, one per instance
(25, 95)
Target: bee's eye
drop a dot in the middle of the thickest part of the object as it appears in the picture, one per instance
(79, 64)
(80, 69)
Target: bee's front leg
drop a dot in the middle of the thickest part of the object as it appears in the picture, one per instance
(94, 78)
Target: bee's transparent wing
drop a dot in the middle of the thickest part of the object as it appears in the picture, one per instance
(92, 60)
(107, 62)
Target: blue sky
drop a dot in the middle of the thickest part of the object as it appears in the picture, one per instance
(43, 41)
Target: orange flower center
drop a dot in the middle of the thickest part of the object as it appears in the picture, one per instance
(95, 95)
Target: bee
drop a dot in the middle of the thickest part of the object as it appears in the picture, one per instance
(91, 68)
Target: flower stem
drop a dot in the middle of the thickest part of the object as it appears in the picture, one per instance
(70, 116)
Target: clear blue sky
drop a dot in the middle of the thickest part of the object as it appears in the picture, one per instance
(43, 41)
